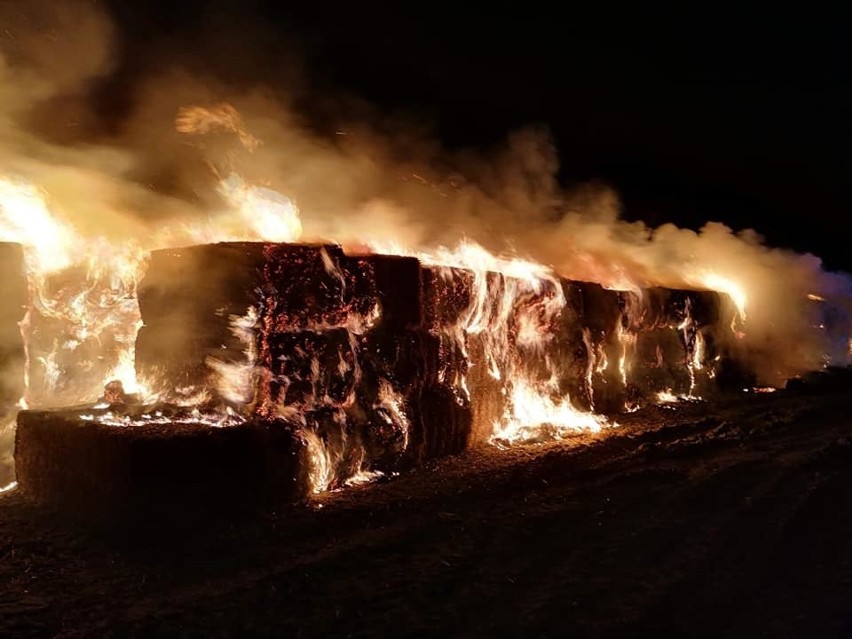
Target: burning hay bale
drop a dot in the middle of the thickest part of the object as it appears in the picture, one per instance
(82, 463)
(680, 339)
(600, 314)
(299, 369)
(80, 330)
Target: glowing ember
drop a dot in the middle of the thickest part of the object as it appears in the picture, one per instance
(667, 397)
(194, 417)
(8, 487)
(364, 477)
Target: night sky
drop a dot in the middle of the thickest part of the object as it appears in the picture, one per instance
(699, 114)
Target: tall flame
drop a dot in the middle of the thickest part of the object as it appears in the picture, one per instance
(26, 218)
(72, 316)
(267, 213)
(713, 281)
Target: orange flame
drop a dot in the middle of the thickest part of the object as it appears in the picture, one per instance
(26, 218)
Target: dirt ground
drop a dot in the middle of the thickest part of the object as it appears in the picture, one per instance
(724, 519)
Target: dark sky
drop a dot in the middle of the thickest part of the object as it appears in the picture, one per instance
(708, 113)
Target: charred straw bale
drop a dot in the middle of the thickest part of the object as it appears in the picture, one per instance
(96, 471)
(679, 340)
